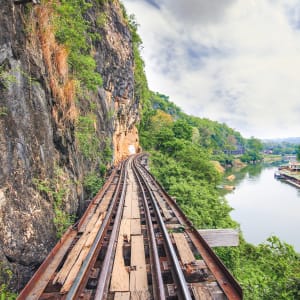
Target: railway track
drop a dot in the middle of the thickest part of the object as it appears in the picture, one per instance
(206, 275)
(133, 242)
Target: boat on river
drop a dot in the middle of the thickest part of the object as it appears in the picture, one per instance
(278, 175)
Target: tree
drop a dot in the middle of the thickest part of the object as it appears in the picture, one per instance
(298, 153)
(253, 152)
(255, 144)
(183, 130)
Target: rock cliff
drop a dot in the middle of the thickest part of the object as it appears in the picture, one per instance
(47, 124)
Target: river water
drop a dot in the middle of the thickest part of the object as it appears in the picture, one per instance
(265, 206)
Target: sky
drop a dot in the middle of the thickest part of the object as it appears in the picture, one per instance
(232, 61)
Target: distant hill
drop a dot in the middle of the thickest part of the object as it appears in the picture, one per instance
(282, 146)
(290, 140)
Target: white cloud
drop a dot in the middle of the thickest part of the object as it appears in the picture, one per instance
(197, 11)
(239, 64)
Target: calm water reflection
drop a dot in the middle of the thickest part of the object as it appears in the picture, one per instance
(265, 206)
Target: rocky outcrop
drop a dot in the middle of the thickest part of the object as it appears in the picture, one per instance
(40, 155)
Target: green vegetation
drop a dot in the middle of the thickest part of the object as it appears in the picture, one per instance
(75, 33)
(181, 148)
(86, 136)
(89, 143)
(191, 179)
(268, 271)
(219, 140)
(142, 92)
(93, 182)
(96, 152)
(253, 153)
(102, 2)
(298, 152)
(57, 189)
(180, 160)
(277, 150)
(3, 111)
(72, 30)
(182, 164)
(5, 78)
(5, 278)
(280, 147)
(101, 19)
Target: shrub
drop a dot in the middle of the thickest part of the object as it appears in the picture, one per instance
(72, 31)
(93, 183)
(85, 133)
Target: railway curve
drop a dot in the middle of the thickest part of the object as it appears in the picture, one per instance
(133, 242)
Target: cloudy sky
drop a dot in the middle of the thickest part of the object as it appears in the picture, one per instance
(233, 61)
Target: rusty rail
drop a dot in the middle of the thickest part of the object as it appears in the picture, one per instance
(107, 264)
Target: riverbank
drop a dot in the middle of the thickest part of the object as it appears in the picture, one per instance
(259, 202)
(288, 176)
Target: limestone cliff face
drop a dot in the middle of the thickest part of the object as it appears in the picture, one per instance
(38, 113)
(115, 48)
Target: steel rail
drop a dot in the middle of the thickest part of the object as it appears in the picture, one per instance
(225, 279)
(159, 291)
(110, 253)
(183, 287)
(82, 276)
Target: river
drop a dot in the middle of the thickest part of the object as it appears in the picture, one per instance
(265, 206)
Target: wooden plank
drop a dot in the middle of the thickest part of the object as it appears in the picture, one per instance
(135, 210)
(45, 278)
(122, 296)
(201, 264)
(131, 206)
(162, 204)
(127, 204)
(120, 276)
(99, 207)
(141, 295)
(215, 291)
(103, 206)
(136, 228)
(201, 292)
(184, 250)
(75, 252)
(88, 218)
(110, 192)
(138, 274)
(220, 237)
(126, 230)
(84, 252)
